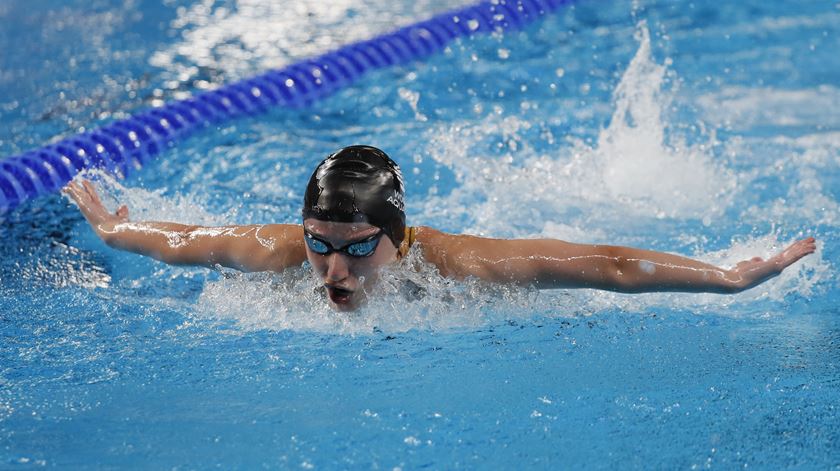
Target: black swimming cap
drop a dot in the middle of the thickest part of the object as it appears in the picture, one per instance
(358, 184)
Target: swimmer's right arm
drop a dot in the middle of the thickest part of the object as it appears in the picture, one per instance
(271, 247)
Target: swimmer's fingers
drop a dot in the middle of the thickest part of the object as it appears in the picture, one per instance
(757, 270)
(121, 213)
(91, 191)
(78, 191)
(71, 189)
(78, 194)
(794, 252)
(86, 197)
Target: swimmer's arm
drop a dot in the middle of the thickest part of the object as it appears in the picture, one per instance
(547, 263)
(247, 248)
(271, 247)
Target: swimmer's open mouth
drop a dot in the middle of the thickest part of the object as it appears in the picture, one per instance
(339, 295)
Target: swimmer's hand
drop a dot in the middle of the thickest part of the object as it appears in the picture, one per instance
(755, 271)
(87, 199)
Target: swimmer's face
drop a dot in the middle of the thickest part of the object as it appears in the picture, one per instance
(346, 277)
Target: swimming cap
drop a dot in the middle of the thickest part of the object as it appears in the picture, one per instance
(358, 184)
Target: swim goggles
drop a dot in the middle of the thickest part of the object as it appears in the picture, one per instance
(362, 248)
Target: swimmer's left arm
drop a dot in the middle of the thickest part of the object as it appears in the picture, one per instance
(547, 263)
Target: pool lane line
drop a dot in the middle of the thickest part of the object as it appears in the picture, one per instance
(124, 146)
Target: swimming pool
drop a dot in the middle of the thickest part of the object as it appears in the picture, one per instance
(706, 129)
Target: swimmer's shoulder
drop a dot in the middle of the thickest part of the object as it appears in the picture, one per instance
(283, 244)
(433, 239)
(428, 236)
(440, 248)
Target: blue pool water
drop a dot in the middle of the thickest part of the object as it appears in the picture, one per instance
(705, 128)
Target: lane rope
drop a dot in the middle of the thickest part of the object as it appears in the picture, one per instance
(126, 145)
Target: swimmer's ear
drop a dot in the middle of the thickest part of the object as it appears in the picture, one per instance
(123, 211)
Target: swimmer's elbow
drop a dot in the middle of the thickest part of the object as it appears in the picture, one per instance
(180, 246)
(617, 272)
(187, 246)
(623, 273)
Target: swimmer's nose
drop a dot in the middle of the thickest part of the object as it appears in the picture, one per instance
(337, 268)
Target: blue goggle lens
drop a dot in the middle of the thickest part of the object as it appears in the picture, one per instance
(317, 246)
(363, 248)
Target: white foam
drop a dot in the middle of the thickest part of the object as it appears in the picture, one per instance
(802, 166)
(410, 295)
(806, 203)
(826, 19)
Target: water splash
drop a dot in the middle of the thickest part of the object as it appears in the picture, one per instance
(412, 98)
(644, 167)
(151, 205)
(410, 295)
(639, 167)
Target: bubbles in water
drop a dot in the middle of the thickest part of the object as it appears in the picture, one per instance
(412, 98)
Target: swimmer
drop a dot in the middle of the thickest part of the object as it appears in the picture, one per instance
(353, 224)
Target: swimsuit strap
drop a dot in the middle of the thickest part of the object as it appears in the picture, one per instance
(408, 241)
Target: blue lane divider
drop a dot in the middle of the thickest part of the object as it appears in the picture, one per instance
(126, 145)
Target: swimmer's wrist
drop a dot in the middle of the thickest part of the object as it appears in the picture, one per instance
(734, 283)
(106, 232)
